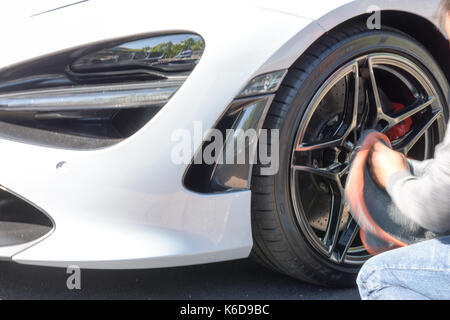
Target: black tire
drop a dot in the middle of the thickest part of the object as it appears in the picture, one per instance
(279, 242)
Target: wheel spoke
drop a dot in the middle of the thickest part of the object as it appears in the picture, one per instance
(374, 95)
(406, 146)
(334, 220)
(321, 145)
(334, 172)
(418, 106)
(345, 240)
(329, 173)
(355, 102)
(350, 116)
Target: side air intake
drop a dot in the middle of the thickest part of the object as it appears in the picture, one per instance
(21, 222)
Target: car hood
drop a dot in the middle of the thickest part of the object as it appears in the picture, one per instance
(48, 26)
(15, 9)
(36, 28)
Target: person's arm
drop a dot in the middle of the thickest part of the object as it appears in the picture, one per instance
(418, 168)
(425, 195)
(421, 190)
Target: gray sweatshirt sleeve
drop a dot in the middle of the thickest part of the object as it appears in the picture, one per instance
(418, 168)
(423, 194)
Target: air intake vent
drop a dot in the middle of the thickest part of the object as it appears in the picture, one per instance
(20, 222)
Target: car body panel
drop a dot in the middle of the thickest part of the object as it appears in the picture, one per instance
(328, 14)
(125, 206)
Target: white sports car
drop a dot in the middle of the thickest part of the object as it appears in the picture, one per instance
(108, 110)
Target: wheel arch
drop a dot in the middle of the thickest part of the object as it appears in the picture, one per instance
(419, 28)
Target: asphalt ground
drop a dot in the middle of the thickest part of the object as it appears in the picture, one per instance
(241, 279)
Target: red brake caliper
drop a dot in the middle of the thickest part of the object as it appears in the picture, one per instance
(402, 128)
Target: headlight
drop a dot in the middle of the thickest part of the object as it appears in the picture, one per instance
(263, 84)
(97, 95)
(113, 97)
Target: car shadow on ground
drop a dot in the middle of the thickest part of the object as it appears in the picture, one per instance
(242, 279)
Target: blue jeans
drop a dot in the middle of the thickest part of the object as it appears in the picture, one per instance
(417, 272)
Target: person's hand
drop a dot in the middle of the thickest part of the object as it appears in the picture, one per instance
(383, 162)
